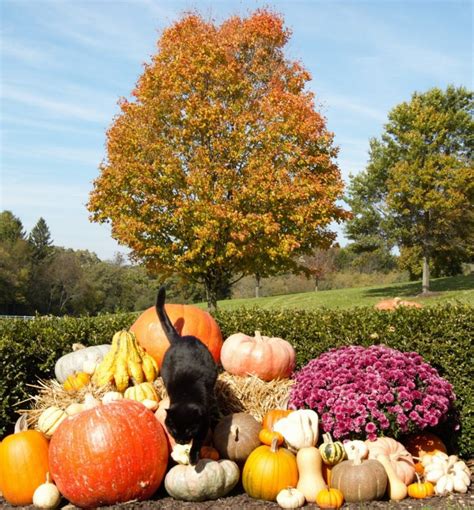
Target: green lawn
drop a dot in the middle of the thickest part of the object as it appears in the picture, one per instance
(452, 289)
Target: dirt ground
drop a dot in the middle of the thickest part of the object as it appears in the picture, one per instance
(237, 500)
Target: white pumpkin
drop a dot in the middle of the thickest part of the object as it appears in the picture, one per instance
(300, 429)
(290, 498)
(208, 479)
(74, 361)
(356, 449)
(47, 495)
(448, 473)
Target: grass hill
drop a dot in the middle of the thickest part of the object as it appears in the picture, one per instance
(442, 290)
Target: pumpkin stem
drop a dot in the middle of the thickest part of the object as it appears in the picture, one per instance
(357, 459)
(48, 477)
(327, 438)
(234, 430)
(258, 336)
(21, 424)
(274, 445)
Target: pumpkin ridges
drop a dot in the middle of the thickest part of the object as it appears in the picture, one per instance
(120, 442)
(187, 319)
(24, 464)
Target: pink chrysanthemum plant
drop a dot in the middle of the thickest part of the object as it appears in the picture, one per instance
(371, 391)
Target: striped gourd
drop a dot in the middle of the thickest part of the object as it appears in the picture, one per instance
(331, 452)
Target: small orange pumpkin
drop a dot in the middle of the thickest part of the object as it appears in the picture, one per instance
(208, 452)
(266, 437)
(24, 464)
(273, 416)
(76, 381)
(329, 498)
(420, 490)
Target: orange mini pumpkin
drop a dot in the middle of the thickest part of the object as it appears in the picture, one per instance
(421, 490)
(24, 464)
(75, 382)
(187, 319)
(209, 452)
(329, 498)
(267, 436)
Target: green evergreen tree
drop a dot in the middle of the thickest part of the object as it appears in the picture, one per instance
(40, 240)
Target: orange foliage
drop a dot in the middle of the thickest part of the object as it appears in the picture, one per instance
(220, 166)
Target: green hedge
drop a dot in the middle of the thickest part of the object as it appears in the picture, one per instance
(443, 335)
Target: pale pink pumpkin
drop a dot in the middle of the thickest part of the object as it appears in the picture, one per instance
(267, 358)
(400, 459)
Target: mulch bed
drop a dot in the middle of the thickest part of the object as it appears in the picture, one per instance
(237, 500)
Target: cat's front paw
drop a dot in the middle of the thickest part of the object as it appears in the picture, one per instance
(193, 456)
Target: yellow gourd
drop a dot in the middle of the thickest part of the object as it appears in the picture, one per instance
(311, 481)
(397, 490)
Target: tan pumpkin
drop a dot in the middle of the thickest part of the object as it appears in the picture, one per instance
(207, 480)
(399, 457)
(265, 357)
(360, 480)
(236, 436)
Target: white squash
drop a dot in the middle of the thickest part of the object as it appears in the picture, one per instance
(290, 498)
(180, 453)
(208, 479)
(50, 419)
(74, 361)
(111, 396)
(448, 473)
(46, 495)
(300, 429)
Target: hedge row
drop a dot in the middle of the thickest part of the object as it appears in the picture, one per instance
(443, 335)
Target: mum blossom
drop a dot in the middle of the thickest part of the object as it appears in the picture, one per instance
(365, 391)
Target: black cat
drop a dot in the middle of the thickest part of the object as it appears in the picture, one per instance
(189, 373)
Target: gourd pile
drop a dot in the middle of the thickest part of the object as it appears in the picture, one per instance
(109, 444)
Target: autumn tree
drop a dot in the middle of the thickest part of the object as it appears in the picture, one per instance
(220, 165)
(417, 191)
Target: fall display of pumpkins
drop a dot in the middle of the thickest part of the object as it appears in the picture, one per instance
(114, 447)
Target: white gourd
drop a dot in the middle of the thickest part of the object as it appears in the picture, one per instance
(290, 498)
(356, 448)
(46, 495)
(74, 361)
(300, 429)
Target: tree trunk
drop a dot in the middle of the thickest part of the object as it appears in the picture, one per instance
(257, 285)
(425, 285)
(211, 297)
(316, 284)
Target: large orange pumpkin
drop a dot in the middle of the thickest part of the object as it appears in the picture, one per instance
(187, 319)
(267, 358)
(23, 464)
(109, 454)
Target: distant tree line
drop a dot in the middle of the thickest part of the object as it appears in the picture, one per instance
(38, 277)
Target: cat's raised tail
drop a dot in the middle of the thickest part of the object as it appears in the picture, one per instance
(165, 322)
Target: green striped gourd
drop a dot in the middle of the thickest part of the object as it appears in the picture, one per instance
(331, 451)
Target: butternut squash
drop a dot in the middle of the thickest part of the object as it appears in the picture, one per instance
(397, 490)
(311, 481)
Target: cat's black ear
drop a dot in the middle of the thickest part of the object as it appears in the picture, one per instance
(196, 411)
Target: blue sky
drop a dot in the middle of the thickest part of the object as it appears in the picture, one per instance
(65, 63)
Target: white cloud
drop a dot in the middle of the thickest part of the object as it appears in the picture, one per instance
(53, 106)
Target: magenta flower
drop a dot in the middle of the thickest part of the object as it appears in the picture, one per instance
(365, 391)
